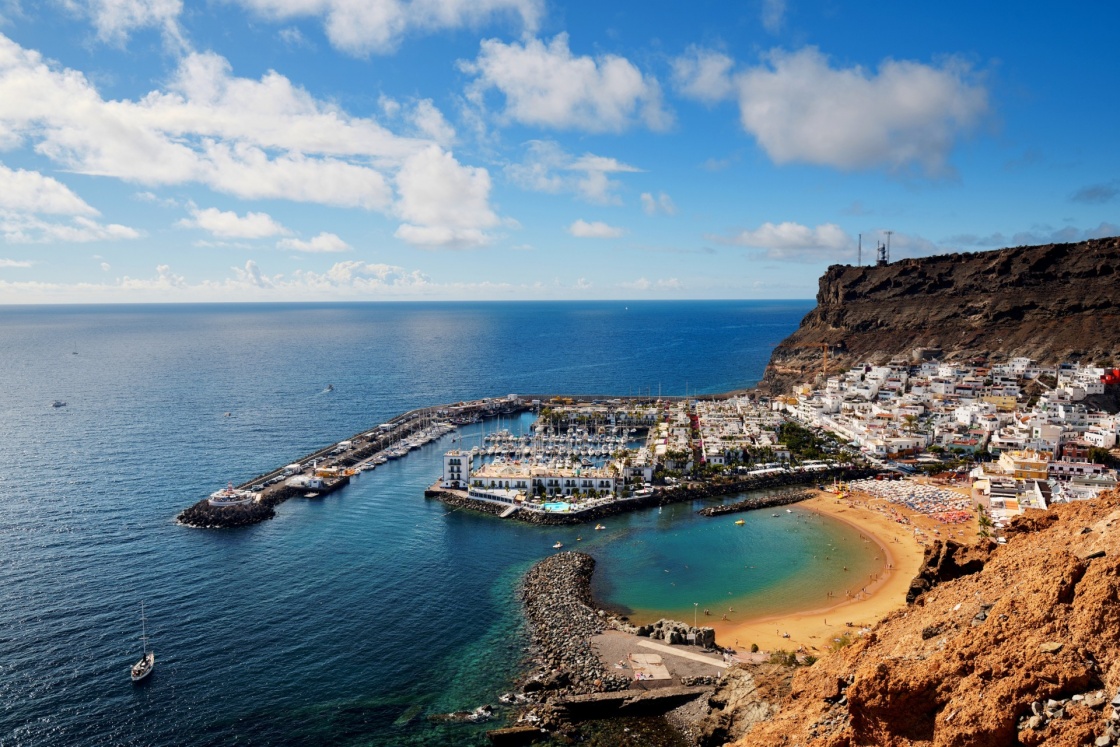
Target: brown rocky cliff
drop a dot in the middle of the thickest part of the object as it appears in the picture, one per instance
(1025, 651)
(1050, 303)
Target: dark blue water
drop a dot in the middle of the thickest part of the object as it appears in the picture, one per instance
(324, 625)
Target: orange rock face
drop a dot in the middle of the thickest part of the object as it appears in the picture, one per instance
(1025, 651)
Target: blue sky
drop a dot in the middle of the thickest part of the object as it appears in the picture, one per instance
(275, 150)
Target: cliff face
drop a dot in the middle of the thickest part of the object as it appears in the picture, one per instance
(1051, 303)
(1023, 651)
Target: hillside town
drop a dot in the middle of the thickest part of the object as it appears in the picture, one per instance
(1029, 435)
(1005, 437)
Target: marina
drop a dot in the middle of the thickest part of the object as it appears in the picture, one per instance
(582, 458)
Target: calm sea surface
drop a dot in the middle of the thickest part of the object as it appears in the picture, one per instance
(328, 623)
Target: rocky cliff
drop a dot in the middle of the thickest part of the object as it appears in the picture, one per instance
(1051, 303)
(1023, 648)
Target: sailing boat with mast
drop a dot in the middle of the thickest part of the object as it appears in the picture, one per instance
(147, 663)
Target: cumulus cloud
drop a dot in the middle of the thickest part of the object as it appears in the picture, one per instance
(548, 168)
(581, 229)
(253, 139)
(229, 225)
(442, 202)
(115, 20)
(546, 85)
(789, 240)
(14, 263)
(662, 203)
(429, 121)
(801, 109)
(361, 27)
(704, 75)
(323, 243)
(32, 192)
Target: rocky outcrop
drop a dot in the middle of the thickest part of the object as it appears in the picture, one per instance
(1024, 651)
(945, 561)
(1051, 303)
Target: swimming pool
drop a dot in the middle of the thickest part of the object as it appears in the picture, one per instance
(556, 507)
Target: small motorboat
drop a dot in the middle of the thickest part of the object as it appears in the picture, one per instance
(740, 522)
(58, 403)
(558, 545)
(599, 526)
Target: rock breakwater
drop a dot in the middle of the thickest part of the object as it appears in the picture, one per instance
(756, 502)
(557, 597)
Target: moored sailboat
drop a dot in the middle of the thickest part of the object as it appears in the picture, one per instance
(147, 663)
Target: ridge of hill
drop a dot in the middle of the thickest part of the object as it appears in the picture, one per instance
(1052, 303)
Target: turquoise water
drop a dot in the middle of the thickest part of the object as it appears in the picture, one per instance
(331, 622)
(556, 507)
(677, 563)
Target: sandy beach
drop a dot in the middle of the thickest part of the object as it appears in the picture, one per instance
(902, 550)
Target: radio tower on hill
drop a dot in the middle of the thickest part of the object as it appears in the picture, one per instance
(884, 251)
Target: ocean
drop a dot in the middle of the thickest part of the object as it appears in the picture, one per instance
(344, 621)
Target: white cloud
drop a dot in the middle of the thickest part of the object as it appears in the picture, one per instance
(105, 267)
(442, 202)
(31, 192)
(431, 124)
(16, 228)
(323, 243)
(594, 230)
(14, 263)
(228, 224)
(293, 37)
(662, 203)
(116, 19)
(773, 15)
(800, 109)
(790, 240)
(359, 27)
(546, 85)
(254, 139)
(703, 74)
(548, 168)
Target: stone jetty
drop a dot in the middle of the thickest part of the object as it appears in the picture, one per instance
(558, 607)
(569, 681)
(754, 503)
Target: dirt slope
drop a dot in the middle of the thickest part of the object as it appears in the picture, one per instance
(1025, 651)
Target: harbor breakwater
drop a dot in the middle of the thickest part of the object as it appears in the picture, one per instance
(754, 503)
(272, 488)
(566, 669)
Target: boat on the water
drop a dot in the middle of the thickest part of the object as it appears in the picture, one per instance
(599, 526)
(740, 522)
(558, 545)
(58, 403)
(147, 663)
